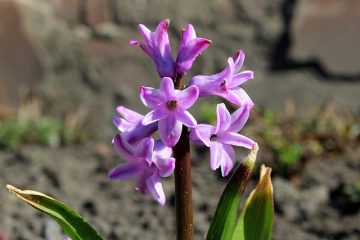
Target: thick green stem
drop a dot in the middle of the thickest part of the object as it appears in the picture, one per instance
(183, 182)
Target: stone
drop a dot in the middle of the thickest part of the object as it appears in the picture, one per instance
(298, 204)
(52, 230)
(282, 227)
(286, 199)
(97, 12)
(327, 31)
(150, 12)
(107, 31)
(129, 12)
(68, 9)
(20, 68)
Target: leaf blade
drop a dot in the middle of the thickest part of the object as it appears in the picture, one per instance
(224, 221)
(256, 219)
(70, 221)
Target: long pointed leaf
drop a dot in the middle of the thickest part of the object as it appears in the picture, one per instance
(225, 218)
(71, 222)
(255, 222)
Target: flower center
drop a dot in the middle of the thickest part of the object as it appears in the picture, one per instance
(171, 104)
(223, 86)
(213, 137)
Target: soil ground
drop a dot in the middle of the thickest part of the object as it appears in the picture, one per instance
(310, 206)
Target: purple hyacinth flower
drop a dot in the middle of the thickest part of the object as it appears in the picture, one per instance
(157, 47)
(148, 161)
(222, 136)
(131, 125)
(190, 47)
(169, 108)
(226, 84)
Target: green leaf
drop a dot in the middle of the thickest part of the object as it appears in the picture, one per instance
(255, 222)
(225, 218)
(71, 222)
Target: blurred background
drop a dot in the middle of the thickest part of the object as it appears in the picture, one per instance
(65, 65)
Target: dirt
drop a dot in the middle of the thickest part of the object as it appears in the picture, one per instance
(310, 206)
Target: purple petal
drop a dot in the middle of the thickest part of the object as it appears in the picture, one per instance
(165, 166)
(155, 115)
(239, 97)
(239, 118)
(140, 184)
(147, 49)
(201, 134)
(158, 48)
(240, 78)
(223, 119)
(121, 124)
(186, 118)
(187, 97)
(236, 140)
(207, 85)
(187, 34)
(151, 97)
(228, 159)
(161, 150)
(167, 88)
(133, 42)
(194, 48)
(163, 58)
(144, 46)
(170, 130)
(161, 36)
(215, 155)
(145, 32)
(155, 188)
(145, 149)
(140, 131)
(123, 148)
(230, 67)
(189, 52)
(125, 171)
(239, 59)
(129, 114)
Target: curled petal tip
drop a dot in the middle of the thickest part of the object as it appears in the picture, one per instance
(167, 21)
(239, 56)
(111, 175)
(133, 42)
(187, 27)
(165, 24)
(239, 52)
(141, 89)
(141, 26)
(204, 41)
(120, 109)
(161, 202)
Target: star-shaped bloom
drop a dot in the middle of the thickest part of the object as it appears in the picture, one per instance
(190, 47)
(157, 47)
(221, 137)
(131, 125)
(226, 84)
(169, 109)
(148, 161)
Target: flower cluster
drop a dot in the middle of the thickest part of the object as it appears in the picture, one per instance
(147, 159)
